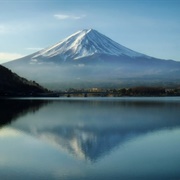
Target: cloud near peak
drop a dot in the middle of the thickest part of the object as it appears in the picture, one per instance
(66, 16)
(5, 57)
(34, 48)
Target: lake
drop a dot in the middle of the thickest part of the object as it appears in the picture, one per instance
(90, 138)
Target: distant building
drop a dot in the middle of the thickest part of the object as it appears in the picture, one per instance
(96, 90)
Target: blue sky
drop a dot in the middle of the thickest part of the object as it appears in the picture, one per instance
(151, 27)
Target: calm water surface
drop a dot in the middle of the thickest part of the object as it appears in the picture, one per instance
(90, 138)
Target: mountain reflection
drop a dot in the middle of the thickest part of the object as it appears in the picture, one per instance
(92, 129)
(85, 143)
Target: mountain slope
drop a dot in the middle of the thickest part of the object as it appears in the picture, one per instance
(89, 58)
(12, 84)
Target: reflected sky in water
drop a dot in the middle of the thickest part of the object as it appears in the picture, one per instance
(93, 138)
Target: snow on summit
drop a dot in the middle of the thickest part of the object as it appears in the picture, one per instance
(86, 43)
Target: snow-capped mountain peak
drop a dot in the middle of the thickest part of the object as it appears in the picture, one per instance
(85, 43)
(88, 59)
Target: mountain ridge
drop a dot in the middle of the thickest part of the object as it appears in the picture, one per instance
(12, 84)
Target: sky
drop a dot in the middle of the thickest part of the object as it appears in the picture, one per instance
(151, 27)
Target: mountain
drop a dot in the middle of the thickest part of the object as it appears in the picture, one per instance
(82, 44)
(11, 84)
(89, 58)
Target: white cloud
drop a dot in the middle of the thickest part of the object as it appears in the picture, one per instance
(34, 48)
(61, 16)
(5, 57)
(66, 16)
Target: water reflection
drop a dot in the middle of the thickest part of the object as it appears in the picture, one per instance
(11, 109)
(92, 129)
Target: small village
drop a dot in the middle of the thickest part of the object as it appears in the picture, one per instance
(136, 91)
